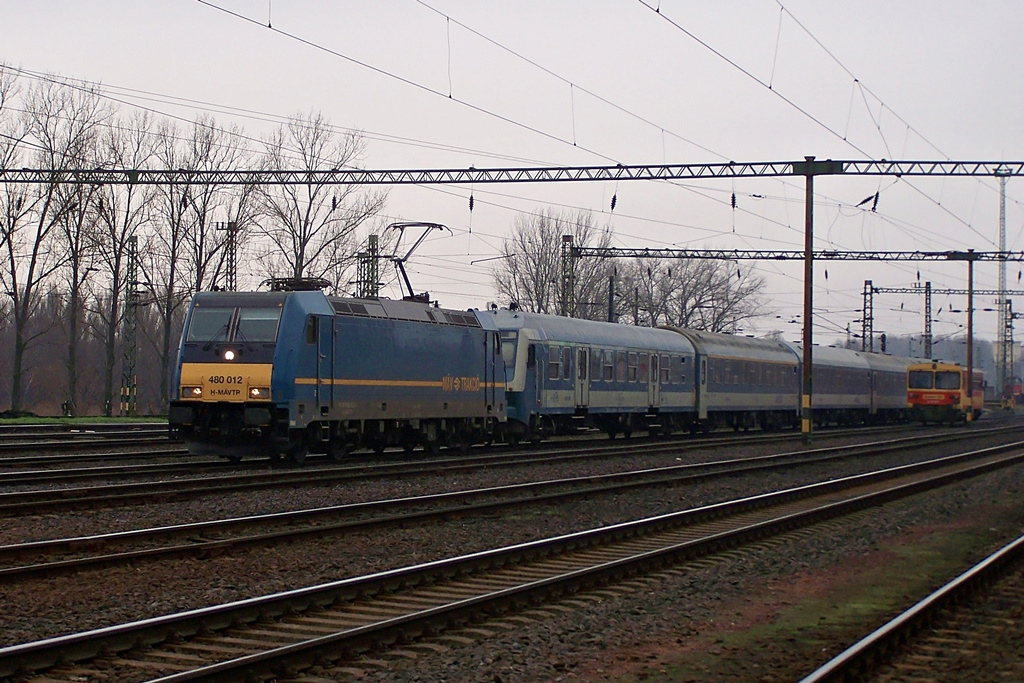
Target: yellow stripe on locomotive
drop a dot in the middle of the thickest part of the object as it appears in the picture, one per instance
(224, 382)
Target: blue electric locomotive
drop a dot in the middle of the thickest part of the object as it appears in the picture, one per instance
(290, 372)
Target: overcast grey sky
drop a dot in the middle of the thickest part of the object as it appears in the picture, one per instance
(453, 83)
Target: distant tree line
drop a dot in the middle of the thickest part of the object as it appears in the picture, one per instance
(710, 295)
(64, 247)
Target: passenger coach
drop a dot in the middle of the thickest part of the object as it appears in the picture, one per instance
(566, 373)
(744, 382)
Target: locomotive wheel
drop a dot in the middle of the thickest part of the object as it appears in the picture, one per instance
(338, 450)
(297, 453)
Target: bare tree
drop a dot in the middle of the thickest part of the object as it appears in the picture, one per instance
(189, 248)
(78, 236)
(122, 210)
(529, 271)
(61, 122)
(310, 229)
(699, 294)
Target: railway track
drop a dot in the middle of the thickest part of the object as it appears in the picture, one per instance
(61, 499)
(47, 558)
(968, 630)
(36, 429)
(19, 460)
(316, 629)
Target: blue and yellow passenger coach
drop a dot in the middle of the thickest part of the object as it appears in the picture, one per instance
(566, 373)
(292, 372)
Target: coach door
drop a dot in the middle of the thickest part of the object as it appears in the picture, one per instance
(325, 363)
(702, 389)
(582, 378)
(654, 382)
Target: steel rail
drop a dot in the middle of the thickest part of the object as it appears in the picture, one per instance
(432, 596)
(44, 428)
(864, 655)
(388, 512)
(20, 503)
(81, 444)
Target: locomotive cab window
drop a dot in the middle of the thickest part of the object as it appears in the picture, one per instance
(257, 324)
(209, 324)
(509, 340)
(947, 379)
(918, 379)
(311, 330)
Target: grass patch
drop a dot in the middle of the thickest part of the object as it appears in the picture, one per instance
(796, 623)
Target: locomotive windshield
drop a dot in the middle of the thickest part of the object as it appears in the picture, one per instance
(947, 380)
(257, 324)
(920, 379)
(210, 324)
(233, 324)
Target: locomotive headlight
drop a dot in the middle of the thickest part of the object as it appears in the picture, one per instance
(191, 392)
(229, 355)
(259, 392)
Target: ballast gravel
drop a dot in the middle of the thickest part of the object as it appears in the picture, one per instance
(633, 636)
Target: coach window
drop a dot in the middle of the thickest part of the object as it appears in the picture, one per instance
(642, 370)
(567, 363)
(554, 358)
(633, 361)
(595, 365)
(581, 364)
(666, 369)
(620, 366)
(608, 371)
